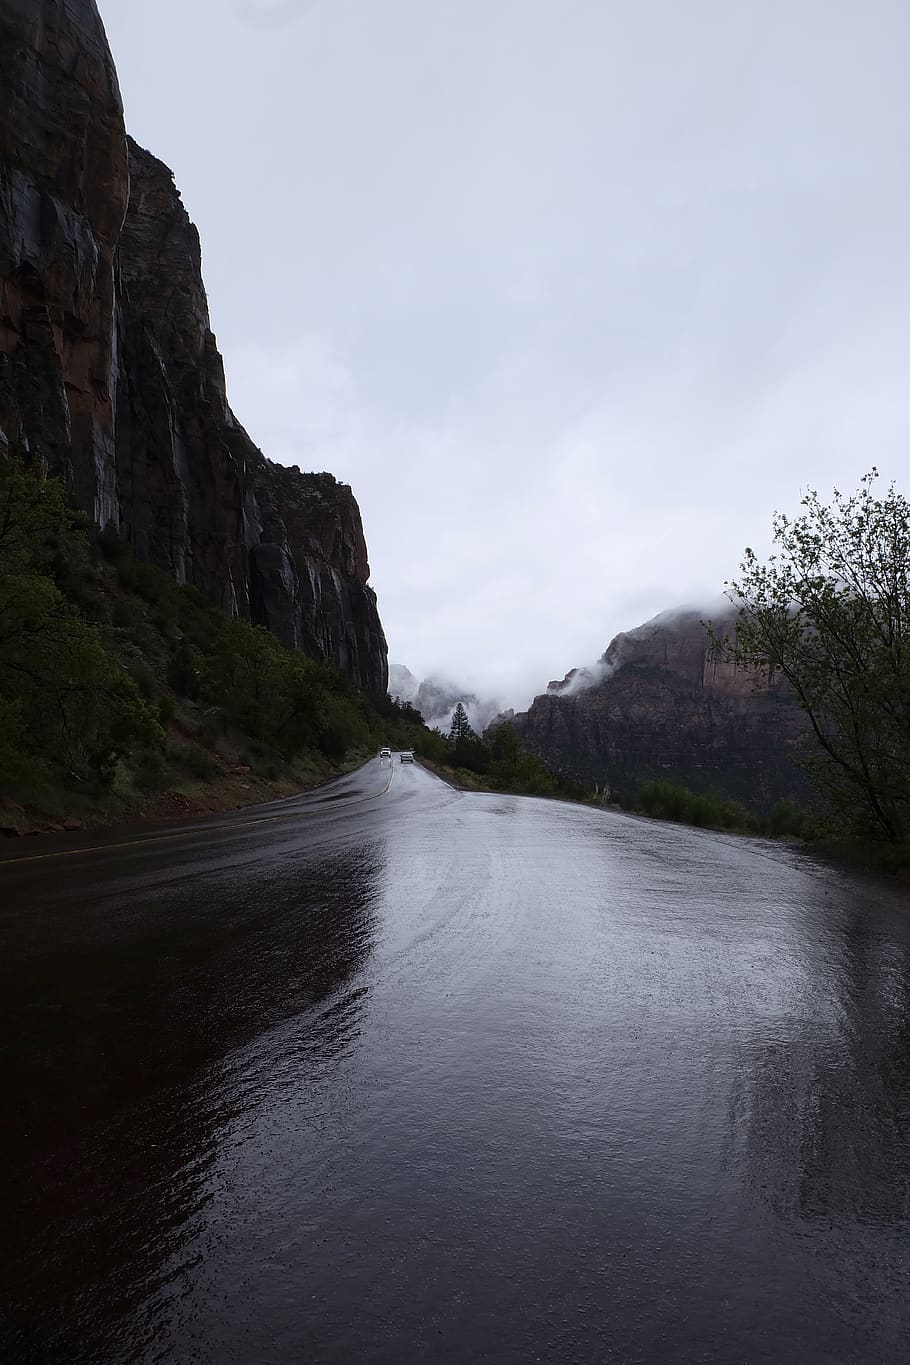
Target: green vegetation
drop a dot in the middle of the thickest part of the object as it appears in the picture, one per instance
(668, 801)
(711, 810)
(70, 712)
(117, 684)
(830, 611)
(497, 762)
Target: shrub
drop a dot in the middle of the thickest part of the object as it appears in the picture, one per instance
(143, 677)
(211, 726)
(126, 612)
(199, 762)
(710, 810)
(151, 770)
(786, 818)
(184, 670)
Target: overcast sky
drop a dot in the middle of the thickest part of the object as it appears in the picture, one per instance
(574, 293)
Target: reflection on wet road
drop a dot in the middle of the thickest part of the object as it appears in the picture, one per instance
(391, 1073)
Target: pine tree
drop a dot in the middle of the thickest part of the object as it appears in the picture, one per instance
(460, 728)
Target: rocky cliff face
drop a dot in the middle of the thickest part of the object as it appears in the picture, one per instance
(309, 571)
(109, 370)
(64, 185)
(658, 705)
(184, 495)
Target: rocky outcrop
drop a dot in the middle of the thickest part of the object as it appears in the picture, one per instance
(64, 185)
(660, 705)
(402, 684)
(110, 373)
(184, 489)
(309, 571)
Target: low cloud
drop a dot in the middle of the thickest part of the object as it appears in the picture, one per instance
(580, 679)
(436, 698)
(563, 399)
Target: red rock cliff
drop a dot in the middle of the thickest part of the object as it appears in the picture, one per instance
(666, 708)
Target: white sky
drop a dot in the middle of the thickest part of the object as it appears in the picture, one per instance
(574, 293)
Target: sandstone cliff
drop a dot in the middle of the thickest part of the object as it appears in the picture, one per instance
(658, 705)
(64, 185)
(109, 370)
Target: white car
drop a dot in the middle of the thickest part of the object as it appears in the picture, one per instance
(406, 756)
(385, 752)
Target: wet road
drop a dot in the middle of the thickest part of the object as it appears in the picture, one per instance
(389, 1073)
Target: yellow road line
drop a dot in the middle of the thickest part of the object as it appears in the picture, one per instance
(188, 833)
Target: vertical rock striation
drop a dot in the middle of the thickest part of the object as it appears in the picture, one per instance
(659, 705)
(309, 571)
(181, 455)
(109, 370)
(64, 185)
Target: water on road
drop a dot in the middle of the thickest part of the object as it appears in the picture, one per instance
(390, 1073)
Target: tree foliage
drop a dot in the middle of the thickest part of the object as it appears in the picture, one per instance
(461, 726)
(467, 748)
(830, 611)
(99, 651)
(101, 655)
(67, 707)
(499, 759)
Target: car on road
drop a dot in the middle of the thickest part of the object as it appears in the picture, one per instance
(385, 752)
(406, 756)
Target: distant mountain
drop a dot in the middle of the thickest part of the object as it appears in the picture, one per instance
(658, 705)
(402, 683)
(436, 698)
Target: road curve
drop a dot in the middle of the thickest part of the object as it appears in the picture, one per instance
(364, 786)
(390, 1072)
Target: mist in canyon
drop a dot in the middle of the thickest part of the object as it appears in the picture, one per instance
(573, 296)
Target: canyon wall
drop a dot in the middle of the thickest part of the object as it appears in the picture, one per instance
(659, 704)
(110, 373)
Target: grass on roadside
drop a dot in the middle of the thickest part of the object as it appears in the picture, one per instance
(669, 801)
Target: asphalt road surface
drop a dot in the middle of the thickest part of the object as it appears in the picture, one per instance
(391, 1073)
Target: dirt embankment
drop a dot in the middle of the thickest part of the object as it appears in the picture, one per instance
(231, 789)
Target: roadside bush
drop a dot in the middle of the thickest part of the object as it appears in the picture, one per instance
(786, 818)
(151, 770)
(201, 763)
(667, 801)
(198, 762)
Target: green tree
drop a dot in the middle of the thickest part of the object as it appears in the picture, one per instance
(467, 748)
(460, 728)
(505, 746)
(67, 707)
(830, 611)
